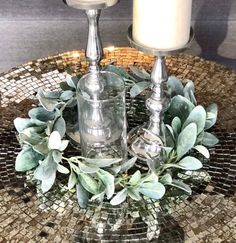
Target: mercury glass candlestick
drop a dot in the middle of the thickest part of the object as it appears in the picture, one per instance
(140, 139)
(100, 94)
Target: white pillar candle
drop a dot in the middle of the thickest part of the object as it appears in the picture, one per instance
(162, 24)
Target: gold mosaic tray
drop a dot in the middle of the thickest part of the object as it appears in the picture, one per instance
(207, 216)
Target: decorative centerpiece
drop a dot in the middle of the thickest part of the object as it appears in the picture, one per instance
(169, 149)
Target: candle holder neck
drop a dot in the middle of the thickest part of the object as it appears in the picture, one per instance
(158, 101)
(94, 50)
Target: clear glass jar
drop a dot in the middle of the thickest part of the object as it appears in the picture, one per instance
(102, 115)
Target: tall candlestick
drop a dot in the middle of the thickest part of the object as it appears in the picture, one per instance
(162, 24)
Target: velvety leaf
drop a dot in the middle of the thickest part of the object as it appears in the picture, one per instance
(62, 169)
(54, 141)
(210, 121)
(197, 116)
(52, 94)
(27, 159)
(138, 88)
(64, 144)
(190, 163)
(31, 135)
(128, 164)
(40, 116)
(71, 81)
(89, 183)
(175, 87)
(57, 155)
(42, 147)
(22, 123)
(46, 173)
(181, 185)
(135, 178)
(119, 198)
(60, 126)
(114, 169)
(72, 180)
(109, 182)
(180, 107)
(166, 179)
(64, 86)
(67, 95)
(189, 92)
(102, 163)
(186, 140)
(203, 150)
(176, 125)
(209, 139)
(170, 165)
(82, 196)
(87, 168)
(119, 71)
(48, 104)
(140, 73)
(152, 190)
(134, 194)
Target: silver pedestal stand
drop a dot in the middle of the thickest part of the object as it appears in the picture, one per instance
(140, 139)
(94, 50)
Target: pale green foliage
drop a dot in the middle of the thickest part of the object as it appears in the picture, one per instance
(42, 139)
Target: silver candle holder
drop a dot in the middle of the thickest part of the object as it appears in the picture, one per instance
(100, 94)
(140, 139)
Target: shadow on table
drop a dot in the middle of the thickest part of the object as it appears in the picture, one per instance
(211, 36)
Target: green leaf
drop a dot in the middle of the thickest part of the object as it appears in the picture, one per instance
(181, 185)
(52, 94)
(186, 140)
(71, 81)
(134, 194)
(102, 163)
(166, 179)
(64, 144)
(119, 197)
(82, 196)
(190, 163)
(209, 139)
(87, 168)
(135, 178)
(180, 107)
(167, 166)
(31, 135)
(152, 190)
(175, 87)
(197, 116)
(67, 95)
(47, 103)
(189, 92)
(203, 150)
(64, 86)
(119, 71)
(170, 132)
(27, 159)
(109, 182)
(89, 183)
(60, 126)
(210, 121)
(72, 180)
(40, 116)
(62, 169)
(57, 155)
(138, 88)
(140, 73)
(54, 141)
(22, 123)
(46, 173)
(176, 125)
(128, 164)
(42, 147)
